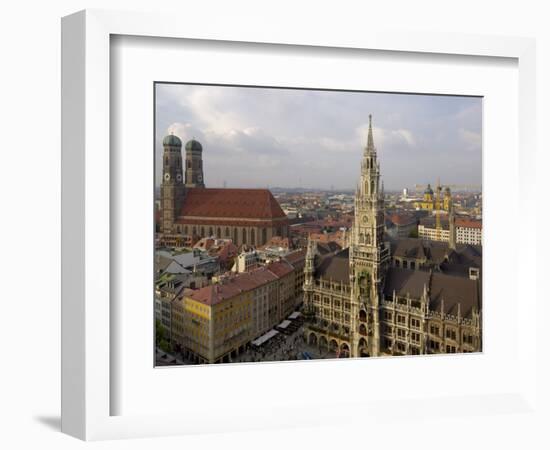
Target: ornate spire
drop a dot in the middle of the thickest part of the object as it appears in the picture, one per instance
(370, 140)
(311, 247)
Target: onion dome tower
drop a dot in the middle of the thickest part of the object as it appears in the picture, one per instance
(194, 176)
(172, 189)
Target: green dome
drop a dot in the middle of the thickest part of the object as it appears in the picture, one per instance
(172, 140)
(193, 145)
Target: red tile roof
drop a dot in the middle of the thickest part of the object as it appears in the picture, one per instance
(226, 251)
(232, 286)
(296, 257)
(231, 203)
(402, 219)
(280, 268)
(278, 241)
(205, 243)
(468, 223)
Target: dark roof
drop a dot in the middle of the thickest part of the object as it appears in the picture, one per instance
(333, 266)
(404, 282)
(230, 203)
(438, 254)
(454, 290)
(193, 145)
(449, 289)
(324, 248)
(409, 248)
(172, 141)
(162, 262)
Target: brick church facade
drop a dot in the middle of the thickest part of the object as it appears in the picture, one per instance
(190, 211)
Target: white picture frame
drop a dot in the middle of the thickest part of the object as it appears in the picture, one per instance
(87, 383)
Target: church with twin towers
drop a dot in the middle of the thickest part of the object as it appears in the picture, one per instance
(189, 210)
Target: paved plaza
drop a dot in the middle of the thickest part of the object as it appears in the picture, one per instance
(281, 347)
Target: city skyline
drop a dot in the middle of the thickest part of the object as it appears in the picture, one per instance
(294, 138)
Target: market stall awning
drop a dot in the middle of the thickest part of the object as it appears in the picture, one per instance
(264, 338)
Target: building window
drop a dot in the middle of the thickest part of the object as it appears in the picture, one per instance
(450, 333)
(404, 264)
(401, 319)
(415, 323)
(434, 329)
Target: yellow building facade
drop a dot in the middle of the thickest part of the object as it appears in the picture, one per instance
(429, 200)
(213, 323)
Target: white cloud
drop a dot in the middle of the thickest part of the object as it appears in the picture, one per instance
(289, 137)
(471, 139)
(387, 138)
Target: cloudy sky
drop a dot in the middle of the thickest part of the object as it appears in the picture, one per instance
(258, 137)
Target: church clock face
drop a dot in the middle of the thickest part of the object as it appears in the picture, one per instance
(178, 177)
(167, 176)
(199, 178)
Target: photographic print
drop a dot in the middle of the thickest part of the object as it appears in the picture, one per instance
(302, 224)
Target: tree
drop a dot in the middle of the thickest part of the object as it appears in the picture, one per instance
(161, 338)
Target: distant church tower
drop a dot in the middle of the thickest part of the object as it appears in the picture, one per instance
(194, 176)
(172, 189)
(369, 255)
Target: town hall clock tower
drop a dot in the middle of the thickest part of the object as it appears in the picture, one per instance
(369, 255)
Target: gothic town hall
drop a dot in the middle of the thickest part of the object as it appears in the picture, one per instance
(378, 297)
